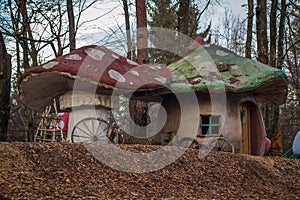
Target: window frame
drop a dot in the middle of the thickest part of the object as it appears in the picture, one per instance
(210, 125)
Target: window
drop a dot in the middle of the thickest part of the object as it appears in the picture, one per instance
(210, 124)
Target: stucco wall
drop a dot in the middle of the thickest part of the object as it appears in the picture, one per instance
(227, 106)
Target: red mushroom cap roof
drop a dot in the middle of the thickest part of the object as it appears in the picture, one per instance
(198, 41)
(93, 64)
(106, 67)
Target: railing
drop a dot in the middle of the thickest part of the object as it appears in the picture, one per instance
(289, 154)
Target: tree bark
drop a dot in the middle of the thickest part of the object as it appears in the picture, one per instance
(280, 56)
(273, 32)
(183, 23)
(5, 76)
(28, 36)
(127, 24)
(261, 31)
(141, 108)
(273, 48)
(249, 29)
(262, 44)
(142, 33)
(71, 25)
(184, 16)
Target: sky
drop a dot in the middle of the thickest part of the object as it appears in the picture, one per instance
(109, 15)
(94, 32)
(236, 6)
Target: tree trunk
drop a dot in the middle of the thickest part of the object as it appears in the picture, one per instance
(262, 43)
(249, 29)
(28, 36)
(273, 32)
(280, 56)
(142, 33)
(127, 24)
(183, 16)
(183, 23)
(71, 25)
(273, 48)
(5, 76)
(261, 31)
(141, 108)
(23, 11)
(16, 30)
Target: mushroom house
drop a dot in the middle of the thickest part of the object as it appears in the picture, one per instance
(83, 82)
(228, 89)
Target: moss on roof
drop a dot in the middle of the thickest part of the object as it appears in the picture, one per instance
(211, 66)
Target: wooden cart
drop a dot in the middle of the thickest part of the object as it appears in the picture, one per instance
(214, 143)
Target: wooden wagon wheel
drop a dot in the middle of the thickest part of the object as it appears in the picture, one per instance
(221, 144)
(188, 142)
(90, 130)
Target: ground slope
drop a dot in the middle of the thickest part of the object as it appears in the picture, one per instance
(68, 171)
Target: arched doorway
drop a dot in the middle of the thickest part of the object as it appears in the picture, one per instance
(253, 129)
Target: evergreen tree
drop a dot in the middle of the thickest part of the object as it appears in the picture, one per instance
(174, 15)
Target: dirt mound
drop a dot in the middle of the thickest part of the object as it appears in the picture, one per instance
(65, 171)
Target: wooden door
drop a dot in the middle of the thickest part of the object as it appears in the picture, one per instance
(245, 121)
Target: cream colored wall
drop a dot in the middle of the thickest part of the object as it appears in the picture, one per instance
(228, 108)
(81, 98)
(177, 116)
(78, 114)
(83, 106)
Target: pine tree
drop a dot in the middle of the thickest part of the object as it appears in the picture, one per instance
(179, 15)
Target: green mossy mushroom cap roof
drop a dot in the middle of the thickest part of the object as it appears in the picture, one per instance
(214, 67)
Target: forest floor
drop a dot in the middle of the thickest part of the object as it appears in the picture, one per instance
(68, 171)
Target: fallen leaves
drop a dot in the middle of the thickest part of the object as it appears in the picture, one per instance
(65, 171)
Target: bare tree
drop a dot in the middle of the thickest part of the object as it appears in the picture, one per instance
(273, 48)
(273, 32)
(184, 16)
(33, 26)
(232, 31)
(5, 76)
(281, 30)
(249, 29)
(128, 31)
(141, 108)
(27, 35)
(71, 25)
(261, 31)
(142, 34)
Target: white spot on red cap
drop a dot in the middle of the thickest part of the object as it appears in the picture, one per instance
(115, 56)
(49, 65)
(155, 67)
(133, 72)
(96, 54)
(73, 57)
(130, 83)
(221, 53)
(161, 79)
(132, 62)
(116, 75)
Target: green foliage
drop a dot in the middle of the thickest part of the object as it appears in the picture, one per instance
(164, 14)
